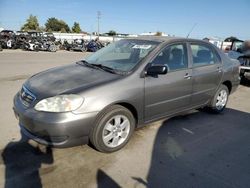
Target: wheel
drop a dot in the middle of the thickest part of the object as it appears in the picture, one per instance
(52, 48)
(36, 48)
(83, 49)
(112, 129)
(220, 99)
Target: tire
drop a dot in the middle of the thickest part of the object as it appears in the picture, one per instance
(83, 49)
(216, 105)
(107, 127)
(36, 48)
(52, 48)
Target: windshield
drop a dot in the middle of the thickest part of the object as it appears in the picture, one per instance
(237, 45)
(122, 55)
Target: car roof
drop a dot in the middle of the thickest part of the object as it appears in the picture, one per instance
(5, 31)
(167, 39)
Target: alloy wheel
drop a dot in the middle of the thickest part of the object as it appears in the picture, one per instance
(116, 131)
(221, 99)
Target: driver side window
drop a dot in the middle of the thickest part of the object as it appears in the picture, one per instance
(174, 57)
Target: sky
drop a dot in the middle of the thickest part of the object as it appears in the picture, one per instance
(213, 18)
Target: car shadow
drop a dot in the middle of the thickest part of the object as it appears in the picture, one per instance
(202, 150)
(22, 163)
(104, 180)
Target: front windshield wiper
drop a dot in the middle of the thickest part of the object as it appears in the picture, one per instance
(100, 66)
(84, 62)
(106, 68)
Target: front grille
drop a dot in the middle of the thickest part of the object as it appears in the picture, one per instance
(26, 96)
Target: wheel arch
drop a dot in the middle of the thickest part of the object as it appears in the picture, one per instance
(126, 105)
(131, 108)
(228, 84)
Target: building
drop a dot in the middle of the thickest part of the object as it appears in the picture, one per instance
(215, 41)
(153, 34)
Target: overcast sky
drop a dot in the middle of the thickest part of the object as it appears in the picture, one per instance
(220, 18)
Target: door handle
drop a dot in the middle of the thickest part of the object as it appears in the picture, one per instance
(219, 69)
(187, 76)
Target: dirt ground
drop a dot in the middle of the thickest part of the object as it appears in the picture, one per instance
(197, 149)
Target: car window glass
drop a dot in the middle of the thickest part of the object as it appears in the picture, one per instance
(174, 57)
(122, 55)
(124, 52)
(203, 55)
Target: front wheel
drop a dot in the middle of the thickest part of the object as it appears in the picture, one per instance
(83, 49)
(220, 99)
(113, 129)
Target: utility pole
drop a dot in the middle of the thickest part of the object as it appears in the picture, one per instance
(98, 22)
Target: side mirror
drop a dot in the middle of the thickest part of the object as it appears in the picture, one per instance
(155, 70)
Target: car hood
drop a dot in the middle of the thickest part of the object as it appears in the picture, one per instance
(67, 79)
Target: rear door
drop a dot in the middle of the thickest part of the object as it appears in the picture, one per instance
(166, 94)
(206, 72)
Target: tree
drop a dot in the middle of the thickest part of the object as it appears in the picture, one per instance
(31, 24)
(76, 28)
(231, 39)
(53, 24)
(111, 33)
(63, 30)
(158, 33)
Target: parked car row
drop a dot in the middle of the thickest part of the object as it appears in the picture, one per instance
(84, 45)
(40, 41)
(33, 41)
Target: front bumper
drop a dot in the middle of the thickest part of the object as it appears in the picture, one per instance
(244, 68)
(245, 72)
(54, 129)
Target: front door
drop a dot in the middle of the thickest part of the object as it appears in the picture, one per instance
(167, 94)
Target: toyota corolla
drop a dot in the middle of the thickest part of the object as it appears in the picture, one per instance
(105, 97)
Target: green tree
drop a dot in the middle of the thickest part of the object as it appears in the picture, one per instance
(111, 33)
(76, 28)
(158, 33)
(31, 24)
(63, 30)
(54, 24)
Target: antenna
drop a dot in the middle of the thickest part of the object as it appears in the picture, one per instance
(191, 29)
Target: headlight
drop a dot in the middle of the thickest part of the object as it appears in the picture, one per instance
(60, 103)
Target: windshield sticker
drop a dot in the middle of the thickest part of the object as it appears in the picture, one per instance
(145, 47)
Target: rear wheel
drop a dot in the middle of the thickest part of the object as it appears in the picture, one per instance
(113, 129)
(52, 48)
(220, 99)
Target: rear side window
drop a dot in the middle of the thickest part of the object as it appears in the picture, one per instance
(173, 56)
(203, 55)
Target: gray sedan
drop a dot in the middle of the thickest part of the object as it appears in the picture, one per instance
(129, 83)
